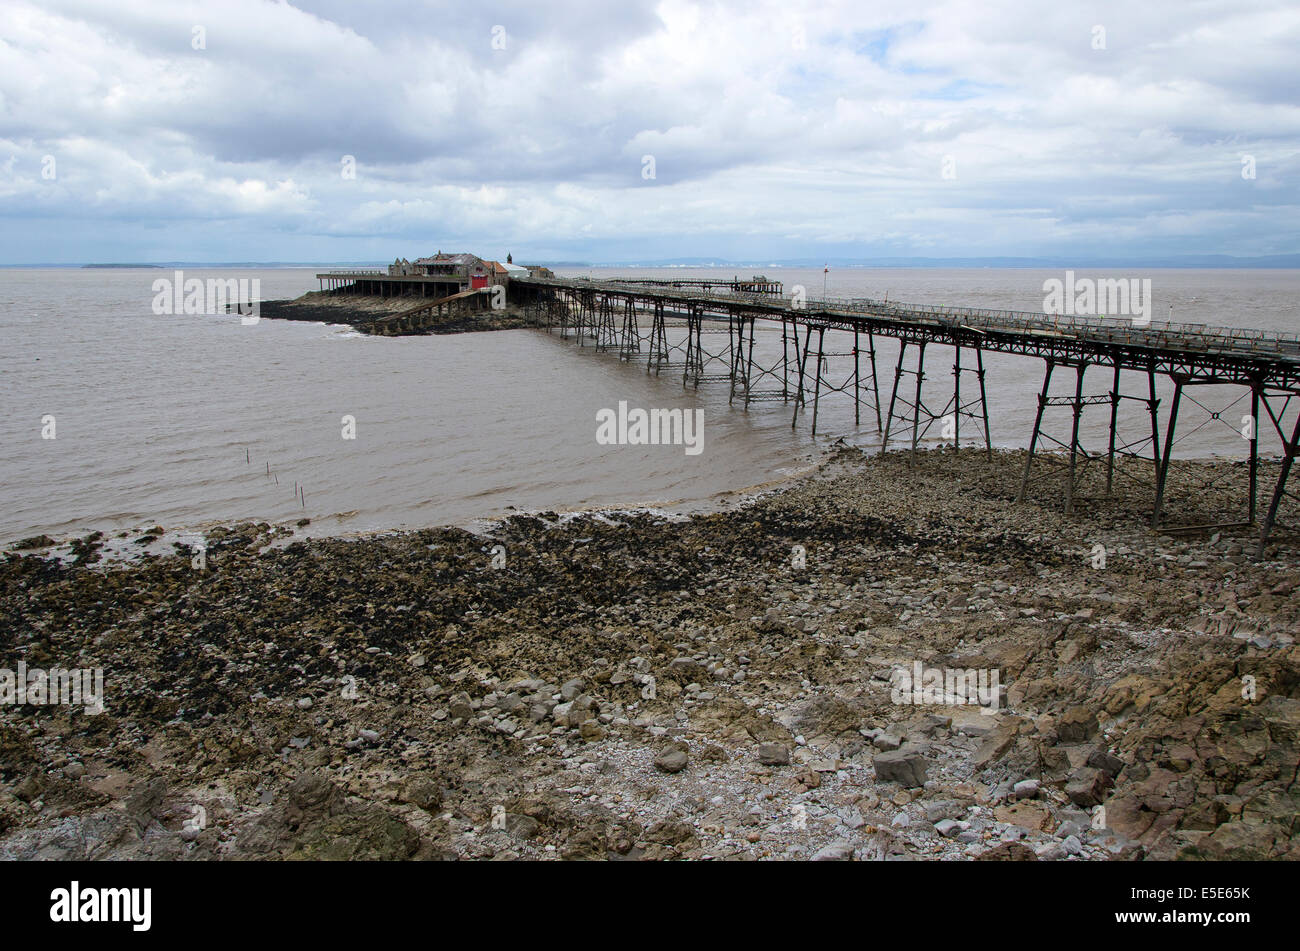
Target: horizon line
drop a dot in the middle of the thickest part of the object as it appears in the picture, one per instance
(1203, 261)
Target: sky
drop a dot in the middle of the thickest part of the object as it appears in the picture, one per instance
(622, 132)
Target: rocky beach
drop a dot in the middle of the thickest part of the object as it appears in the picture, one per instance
(643, 685)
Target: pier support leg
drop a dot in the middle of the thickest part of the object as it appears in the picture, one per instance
(1153, 408)
(959, 407)
(1074, 439)
(802, 360)
(694, 347)
(1114, 419)
(893, 396)
(658, 349)
(606, 332)
(916, 406)
(875, 383)
(737, 371)
(631, 342)
(1168, 453)
(857, 383)
(956, 397)
(1038, 426)
(1254, 449)
(586, 316)
(984, 404)
(785, 358)
(1288, 458)
(817, 384)
(749, 364)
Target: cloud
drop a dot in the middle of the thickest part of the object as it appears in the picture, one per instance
(776, 128)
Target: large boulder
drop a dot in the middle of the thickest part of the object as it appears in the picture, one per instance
(1087, 786)
(905, 767)
(1077, 725)
(773, 754)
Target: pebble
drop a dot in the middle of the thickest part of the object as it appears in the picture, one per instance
(948, 828)
(1026, 789)
(835, 852)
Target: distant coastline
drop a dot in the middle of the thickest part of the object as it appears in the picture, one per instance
(1190, 261)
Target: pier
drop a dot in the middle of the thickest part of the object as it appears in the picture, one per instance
(705, 330)
(667, 326)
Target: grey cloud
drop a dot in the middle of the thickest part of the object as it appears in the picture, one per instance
(751, 135)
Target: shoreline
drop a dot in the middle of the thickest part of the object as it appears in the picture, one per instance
(65, 543)
(644, 687)
(119, 545)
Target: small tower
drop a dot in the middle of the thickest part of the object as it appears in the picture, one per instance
(509, 259)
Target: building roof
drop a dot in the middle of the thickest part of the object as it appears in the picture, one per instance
(463, 258)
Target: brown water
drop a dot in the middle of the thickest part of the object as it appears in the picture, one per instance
(174, 419)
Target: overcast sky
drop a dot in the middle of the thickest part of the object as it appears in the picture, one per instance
(624, 131)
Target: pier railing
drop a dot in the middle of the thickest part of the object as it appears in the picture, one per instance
(1112, 330)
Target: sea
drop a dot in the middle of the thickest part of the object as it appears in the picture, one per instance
(115, 417)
